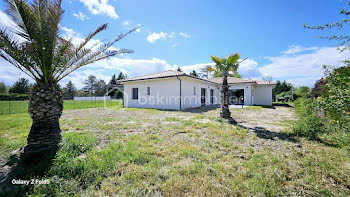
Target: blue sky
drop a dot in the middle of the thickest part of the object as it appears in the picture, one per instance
(186, 33)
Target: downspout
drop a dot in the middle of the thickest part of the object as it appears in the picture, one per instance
(180, 90)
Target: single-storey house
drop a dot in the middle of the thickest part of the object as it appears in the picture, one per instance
(176, 91)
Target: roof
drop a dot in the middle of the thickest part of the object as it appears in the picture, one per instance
(164, 74)
(232, 80)
(217, 80)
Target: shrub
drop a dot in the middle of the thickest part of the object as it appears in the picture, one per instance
(13, 97)
(309, 123)
(336, 103)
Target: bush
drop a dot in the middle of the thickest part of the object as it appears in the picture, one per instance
(13, 97)
(309, 123)
(320, 128)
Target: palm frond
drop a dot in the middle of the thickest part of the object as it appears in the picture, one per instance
(88, 56)
(42, 53)
(12, 52)
(232, 59)
(216, 60)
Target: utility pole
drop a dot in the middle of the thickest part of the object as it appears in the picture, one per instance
(292, 94)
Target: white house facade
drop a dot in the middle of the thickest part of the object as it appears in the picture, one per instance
(173, 90)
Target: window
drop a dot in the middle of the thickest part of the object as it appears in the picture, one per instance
(148, 91)
(194, 90)
(135, 93)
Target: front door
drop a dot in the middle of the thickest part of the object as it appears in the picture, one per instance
(203, 93)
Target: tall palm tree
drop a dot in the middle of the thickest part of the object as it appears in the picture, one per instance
(225, 65)
(36, 47)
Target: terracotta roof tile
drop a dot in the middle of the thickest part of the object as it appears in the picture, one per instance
(164, 74)
(218, 80)
(231, 80)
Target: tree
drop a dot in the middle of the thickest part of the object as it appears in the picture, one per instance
(235, 74)
(113, 80)
(343, 39)
(319, 88)
(36, 48)
(118, 93)
(100, 88)
(69, 91)
(281, 87)
(267, 78)
(90, 84)
(3, 88)
(194, 73)
(225, 65)
(206, 70)
(21, 86)
(122, 76)
(179, 69)
(82, 93)
(336, 102)
(303, 92)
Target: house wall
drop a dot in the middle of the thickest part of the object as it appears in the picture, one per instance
(247, 87)
(164, 94)
(191, 98)
(262, 95)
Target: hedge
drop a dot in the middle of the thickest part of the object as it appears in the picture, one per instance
(13, 97)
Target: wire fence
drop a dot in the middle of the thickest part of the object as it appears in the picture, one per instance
(15, 106)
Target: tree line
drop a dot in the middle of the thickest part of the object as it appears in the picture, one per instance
(92, 87)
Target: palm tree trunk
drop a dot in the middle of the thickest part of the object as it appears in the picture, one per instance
(45, 109)
(225, 111)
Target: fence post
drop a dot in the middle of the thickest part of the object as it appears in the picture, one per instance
(9, 106)
(73, 104)
(95, 101)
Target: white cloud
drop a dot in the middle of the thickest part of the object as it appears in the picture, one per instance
(129, 25)
(304, 65)
(133, 67)
(156, 36)
(81, 16)
(304, 81)
(78, 77)
(161, 35)
(126, 23)
(5, 20)
(293, 49)
(97, 7)
(77, 38)
(171, 35)
(184, 35)
(248, 69)
(174, 45)
(189, 68)
(304, 69)
(9, 73)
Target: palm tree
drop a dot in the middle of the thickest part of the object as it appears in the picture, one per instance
(224, 66)
(37, 49)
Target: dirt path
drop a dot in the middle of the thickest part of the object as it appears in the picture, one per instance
(274, 120)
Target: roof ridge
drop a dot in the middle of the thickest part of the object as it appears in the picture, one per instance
(154, 73)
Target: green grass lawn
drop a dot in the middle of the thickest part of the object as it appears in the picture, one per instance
(141, 152)
(14, 107)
